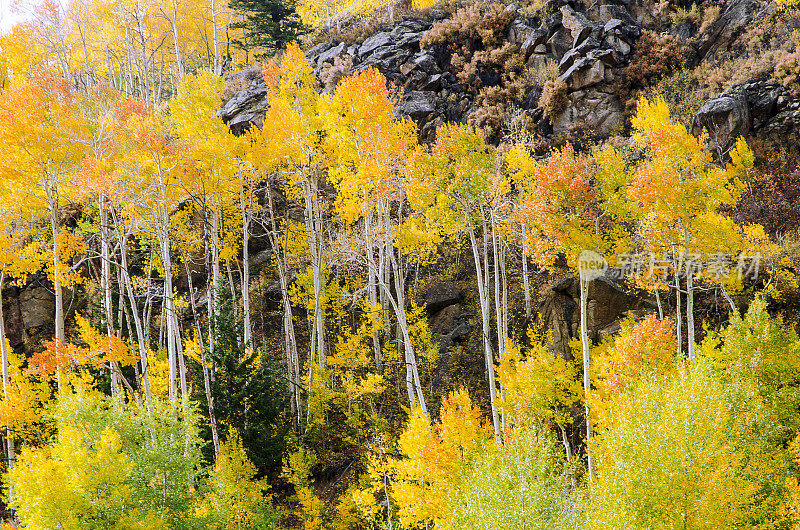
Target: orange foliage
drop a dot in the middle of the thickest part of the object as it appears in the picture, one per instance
(57, 356)
(458, 433)
(436, 457)
(645, 346)
(557, 206)
(129, 108)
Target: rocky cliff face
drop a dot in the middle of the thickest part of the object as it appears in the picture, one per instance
(28, 312)
(579, 69)
(589, 48)
(587, 53)
(761, 108)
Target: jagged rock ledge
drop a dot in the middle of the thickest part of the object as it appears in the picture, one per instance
(590, 47)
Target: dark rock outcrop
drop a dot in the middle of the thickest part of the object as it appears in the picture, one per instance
(589, 46)
(761, 107)
(559, 311)
(732, 22)
(440, 295)
(602, 41)
(14, 326)
(246, 107)
(37, 305)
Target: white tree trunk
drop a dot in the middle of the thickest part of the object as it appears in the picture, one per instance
(169, 317)
(105, 285)
(372, 290)
(292, 356)
(217, 59)
(587, 385)
(314, 236)
(678, 316)
(526, 285)
(248, 326)
(142, 337)
(6, 381)
(690, 312)
(206, 377)
(213, 293)
(402, 323)
(659, 304)
(174, 23)
(52, 198)
(483, 297)
(728, 298)
(499, 306)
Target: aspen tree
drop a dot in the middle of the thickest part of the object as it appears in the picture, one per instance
(8, 264)
(95, 176)
(279, 235)
(154, 163)
(565, 210)
(288, 142)
(679, 189)
(367, 147)
(453, 186)
(39, 124)
(212, 148)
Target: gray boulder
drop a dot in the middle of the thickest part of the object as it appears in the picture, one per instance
(761, 106)
(536, 38)
(597, 106)
(725, 118)
(329, 55)
(417, 105)
(440, 295)
(736, 17)
(578, 25)
(559, 311)
(584, 73)
(37, 305)
(373, 43)
(246, 107)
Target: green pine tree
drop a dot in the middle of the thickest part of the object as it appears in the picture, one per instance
(270, 24)
(249, 395)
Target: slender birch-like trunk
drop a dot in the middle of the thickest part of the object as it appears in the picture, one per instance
(105, 285)
(174, 24)
(142, 337)
(52, 197)
(168, 311)
(51, 189)
(212, 418)
(292, 356)
(217, 59)
(483, 297)
(372, 290)
(587, 385)
(213, 293)
(659, 304)
(526, 284)
(402, 322)
(728, 299)
(690, 311)
(248, 326)
(181, 360)
(169, 315)
(314, 236)
(678, 316)
(397, 302)
(6, 381)
(499, 301)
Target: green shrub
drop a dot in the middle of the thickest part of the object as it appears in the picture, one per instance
(523, 485)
